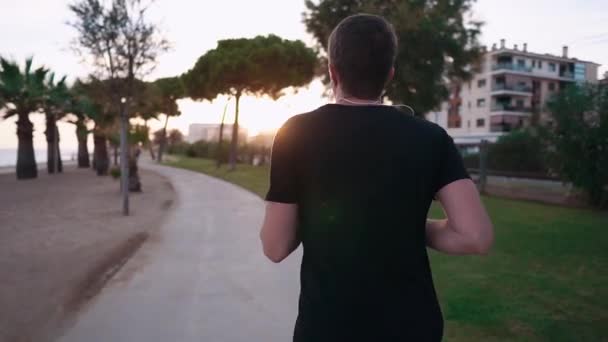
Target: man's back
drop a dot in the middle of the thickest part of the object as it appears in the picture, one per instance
(363, 178)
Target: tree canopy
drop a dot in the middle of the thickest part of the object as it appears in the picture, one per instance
(168, 91)
(21, 92)
(264, 65)
(436, 43)
(116, 38)
(578, 139)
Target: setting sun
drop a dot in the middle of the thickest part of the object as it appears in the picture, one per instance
(257, 114)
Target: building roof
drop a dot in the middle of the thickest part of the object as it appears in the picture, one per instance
(548, 56)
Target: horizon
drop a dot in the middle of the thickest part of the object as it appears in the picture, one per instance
(47, 38)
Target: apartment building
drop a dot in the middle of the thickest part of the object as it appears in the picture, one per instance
(510, 89)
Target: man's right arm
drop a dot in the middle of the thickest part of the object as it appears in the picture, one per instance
(467, 229)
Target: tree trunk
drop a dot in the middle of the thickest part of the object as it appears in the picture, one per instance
(26, 159)
(235, 134)
(59, 161)
(115, 149)
(100, 154)
(83, 149)
(149, 143)
(163, 141)
(151, 148)
(53, 157)
(134, 182)
(221, 138)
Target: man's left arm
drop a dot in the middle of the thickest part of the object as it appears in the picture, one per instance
(279, 230)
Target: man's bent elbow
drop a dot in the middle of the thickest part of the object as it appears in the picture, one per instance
(484, 242)
(274, 255)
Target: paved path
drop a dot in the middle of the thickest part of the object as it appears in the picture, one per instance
(203, 278)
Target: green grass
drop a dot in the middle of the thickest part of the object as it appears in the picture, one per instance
(545, 280)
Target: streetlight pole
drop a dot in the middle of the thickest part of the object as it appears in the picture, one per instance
(124, 157)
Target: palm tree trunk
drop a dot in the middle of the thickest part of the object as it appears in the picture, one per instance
(59, 161)
(235, 133)
(26, 159)
(163, 141)
(100, 154)
(83, 149)
(52, 142)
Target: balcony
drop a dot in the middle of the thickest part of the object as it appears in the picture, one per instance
(511, 67)
(567, 74)
(515, 110)
(502, 88)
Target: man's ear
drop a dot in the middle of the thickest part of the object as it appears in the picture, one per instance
(333, 74)
(391, 75)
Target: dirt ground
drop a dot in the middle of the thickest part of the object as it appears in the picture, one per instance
(59, 237)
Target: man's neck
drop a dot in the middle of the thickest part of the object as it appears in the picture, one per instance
(353, 101)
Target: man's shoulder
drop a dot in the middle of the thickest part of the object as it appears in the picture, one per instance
(301, 119)
(396, 118)
(419, 124)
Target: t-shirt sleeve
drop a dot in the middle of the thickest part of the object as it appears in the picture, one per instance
(451, 167)
(283, 166)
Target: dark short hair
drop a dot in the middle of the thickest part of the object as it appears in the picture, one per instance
(363, 49)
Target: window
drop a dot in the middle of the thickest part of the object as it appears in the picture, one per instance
(481, 102)
(521, 63)
(468, 123)
(533, 63)
(481, 83)
(519, 103)
(540, 64)
(551, 86)
(469, 85)
(481, 122)
(552, 67)
(469, 104)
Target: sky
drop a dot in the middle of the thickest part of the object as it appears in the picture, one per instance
(38, 28)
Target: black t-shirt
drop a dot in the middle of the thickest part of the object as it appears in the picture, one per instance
(363, 178)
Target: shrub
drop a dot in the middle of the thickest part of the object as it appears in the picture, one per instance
(518, 151)
(578, 140)
(115, 172)
(178, 148)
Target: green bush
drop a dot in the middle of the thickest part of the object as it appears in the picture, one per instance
(178, 148)
(115, 172)
(578, 139)
(518, 151)
(471, 161)
(199, 149)
(209, 150)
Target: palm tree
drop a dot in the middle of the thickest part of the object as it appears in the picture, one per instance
(82, 134)
(56, 104)
(104, 117)
(22, 93)
(82, 108)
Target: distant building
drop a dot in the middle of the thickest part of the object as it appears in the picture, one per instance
(210, 132)
(511, 85)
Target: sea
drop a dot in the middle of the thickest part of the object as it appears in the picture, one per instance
(8, 157)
